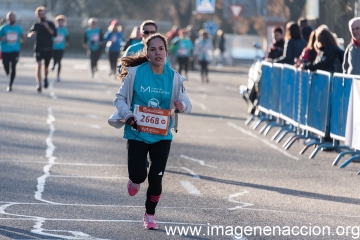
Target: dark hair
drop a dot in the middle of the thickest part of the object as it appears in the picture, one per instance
(302, 22)
(326, 38)
(278, 29)
(146, 23)
(140, 57)
(292, 31)
(312, 39)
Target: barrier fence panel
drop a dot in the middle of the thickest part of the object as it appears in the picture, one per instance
(288, 88)
(341, 88)
(265, 87)
(319, 103)
(276, 89)
(304, 98)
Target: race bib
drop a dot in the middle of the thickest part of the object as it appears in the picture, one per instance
(181, 52)
(12, 37)
(152, 120)
(114, 39)
(59, 38)
(94, 37)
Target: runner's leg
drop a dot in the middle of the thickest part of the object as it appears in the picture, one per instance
(137, 152)
(159, 153)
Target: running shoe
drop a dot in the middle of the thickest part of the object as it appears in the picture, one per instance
(149, 221)
(58, 79)
(9, 89)
(38, 88)
(46, 83)
(133, 188)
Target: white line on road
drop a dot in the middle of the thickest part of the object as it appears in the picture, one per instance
(243, 204)
(199, 104)
(263, 140)
(95, 126)
(63, 176)
(191, 172)
(49, 155)
(201, 162)
(190, 188)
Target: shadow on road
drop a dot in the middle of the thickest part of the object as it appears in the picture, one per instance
(286, 191)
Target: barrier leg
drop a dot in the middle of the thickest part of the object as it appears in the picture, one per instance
(349, 161)
(309, 145)
(321, 146)
(247, 122)
(292, 140)
(277, 134)
(265, 126)
(284, 134)
(258, 122)
(267, 130)
(337, 159)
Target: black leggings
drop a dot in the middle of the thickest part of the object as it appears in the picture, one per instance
(57, 55)
(113, 57)
(94, 58)
(183, 64)
(137, 154)
(204, 68)
(13, 58)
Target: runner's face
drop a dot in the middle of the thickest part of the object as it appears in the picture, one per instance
(157, 52)
(12, 19)
(148, 30)
(61, 23)
(41, 15)
(355, 30)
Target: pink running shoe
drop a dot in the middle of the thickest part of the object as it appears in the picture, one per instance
(133, 188)
(149, 221)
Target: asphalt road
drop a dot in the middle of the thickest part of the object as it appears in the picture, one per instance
(63, 169)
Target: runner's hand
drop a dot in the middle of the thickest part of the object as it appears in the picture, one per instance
(131, 120)
(178, 105)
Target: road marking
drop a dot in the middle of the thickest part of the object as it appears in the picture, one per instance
(199, 104)
(95, 177)
(190, 188)
(49, 155)
(243, 204)
(80, 67)
(95, 126)
(191, 172)
(92, 116)
(201, 162)
(263, 140)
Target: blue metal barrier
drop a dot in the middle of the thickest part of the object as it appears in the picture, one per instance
(339, 106)
(276, 90)
(265, 87)
(319, 103)
(288, 91)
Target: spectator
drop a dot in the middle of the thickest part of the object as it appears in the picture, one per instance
(330, 56)
(309, 53)
(183, 50)
(305, 28)
(293, 46)
(220, 44)
(113, 38)
(203, 52)
(277, 47)
(173, 33)
(352, 52)
(135, 37)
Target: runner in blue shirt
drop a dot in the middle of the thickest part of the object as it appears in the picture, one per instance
(92, 42)
(10, 35)
(183, 48)
(61, 41)
(150, 91)
(113, 38)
